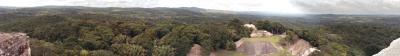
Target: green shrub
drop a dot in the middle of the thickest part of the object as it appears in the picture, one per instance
(273, 27)
(128, 50)
(164, 51)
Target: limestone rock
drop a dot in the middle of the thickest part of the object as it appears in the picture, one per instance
(261, 33)
(251, 26)
(195, 50)
(392, 50)
(14, 44)
(301, 48)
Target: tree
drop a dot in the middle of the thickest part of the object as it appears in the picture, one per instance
(181, 38)
(96, 38)
(119, 39)
(272, 27)
(164, 50)
(84, 53)
(145, 39)
(128, 50)
(43, 48)
(238, 29)
(102, 53)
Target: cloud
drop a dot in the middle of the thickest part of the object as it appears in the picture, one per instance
(271, 6)
(114, 3)
(349, 6)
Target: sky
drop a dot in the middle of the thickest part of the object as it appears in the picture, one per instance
(270, 6)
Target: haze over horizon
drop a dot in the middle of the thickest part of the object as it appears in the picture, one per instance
(270, 6)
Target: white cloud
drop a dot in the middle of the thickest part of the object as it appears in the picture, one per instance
(350, 6)
(272, 6)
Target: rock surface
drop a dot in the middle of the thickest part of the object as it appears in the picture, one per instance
(195, 50)
(301, 48)
(260, 33)
(256, 32)
(251, 26)
(253, 47)
(14, 44)
(392, 50)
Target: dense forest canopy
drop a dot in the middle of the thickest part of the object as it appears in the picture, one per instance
(70, 31)
(136, 32)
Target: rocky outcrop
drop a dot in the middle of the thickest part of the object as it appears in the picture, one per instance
(260, 33)
(14, 44)
(252, 47)
(301, 48)
(392, 50)
(195, 50)
(256, 32)
(251, 26)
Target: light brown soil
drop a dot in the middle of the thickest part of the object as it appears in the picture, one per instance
(256, 48)
(300, 48)
(195, 50)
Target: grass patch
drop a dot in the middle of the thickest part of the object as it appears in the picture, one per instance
(228, 53)
(281, 52)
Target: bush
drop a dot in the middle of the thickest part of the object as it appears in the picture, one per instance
(128, 50)
(164, 51)
(43, 48)
(102, 53)
(84, 53)
(181, 38)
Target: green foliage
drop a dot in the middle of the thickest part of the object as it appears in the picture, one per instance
(102, 53)
(145, 39)
(363, 38)
(333, 49)
(42, 48)
(230, 45)
(84, 53)
(164, 51)
(273, 27)
(97, 38)
(291, 38)
(128, 49)
(328, 46)
(119, 39)
(217, 37)
(129, 32)
(181, 38)
(238, 29)
(316, 38)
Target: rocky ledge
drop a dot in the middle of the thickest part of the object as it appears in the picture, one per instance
(392, 50)
(14, 44)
